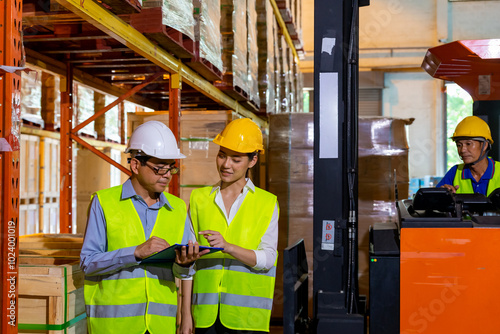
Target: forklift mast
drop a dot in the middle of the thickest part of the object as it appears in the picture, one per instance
(338, 307)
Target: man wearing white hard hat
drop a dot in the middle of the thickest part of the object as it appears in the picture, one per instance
(128, 223)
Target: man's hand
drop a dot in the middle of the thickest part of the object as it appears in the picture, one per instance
(451, 188)
(187, 255)
(215, 239)
(151, 246)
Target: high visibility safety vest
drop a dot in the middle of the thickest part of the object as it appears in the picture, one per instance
(245, 295)
(141, 297)
(465, 185)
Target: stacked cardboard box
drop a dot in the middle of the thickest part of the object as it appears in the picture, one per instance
(29, 184)
(99, 174)
(198, 129)
(253, 54)
(382, 168)
(208, 57)
(287, 74)
(290, 177)
(297, 87)
(234, 32)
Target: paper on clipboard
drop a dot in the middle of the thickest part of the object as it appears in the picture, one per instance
(168, 254)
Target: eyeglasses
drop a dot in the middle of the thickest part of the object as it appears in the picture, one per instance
(164, 170)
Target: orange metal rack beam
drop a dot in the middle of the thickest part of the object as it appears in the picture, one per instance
(68, 134)
(66, 168)
(174, 109)
(10, 48)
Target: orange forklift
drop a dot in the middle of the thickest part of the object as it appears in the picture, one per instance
(437, 270)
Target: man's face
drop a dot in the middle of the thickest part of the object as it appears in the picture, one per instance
(469, 150)
(148, 174)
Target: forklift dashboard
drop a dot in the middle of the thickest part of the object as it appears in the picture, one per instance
(439, 207)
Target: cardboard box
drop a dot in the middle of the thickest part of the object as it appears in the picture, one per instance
(295, 165)
(199, 167)
(382, 135)
(383, 169)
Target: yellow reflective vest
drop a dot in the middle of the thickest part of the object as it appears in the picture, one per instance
(137, 298)
(465, 185)
(241, 295)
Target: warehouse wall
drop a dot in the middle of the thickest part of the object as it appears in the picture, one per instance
(397, 33)
(394, 37)
(417, 95)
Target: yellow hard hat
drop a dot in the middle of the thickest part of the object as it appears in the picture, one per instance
(241, 135)
(472, 127)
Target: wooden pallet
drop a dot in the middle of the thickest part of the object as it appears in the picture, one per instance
(149, 23)
(122, 6)
(251, 105)
(51, 287)
(226, 85)
(205, 68)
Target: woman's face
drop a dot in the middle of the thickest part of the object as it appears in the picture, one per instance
(469, 150)
(232, 166)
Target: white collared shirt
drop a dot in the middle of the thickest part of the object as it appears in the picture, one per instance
(266, 251)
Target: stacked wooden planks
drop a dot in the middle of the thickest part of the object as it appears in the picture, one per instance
(51, 284)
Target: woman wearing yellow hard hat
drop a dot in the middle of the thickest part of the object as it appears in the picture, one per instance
(478, 173)
(232, 290)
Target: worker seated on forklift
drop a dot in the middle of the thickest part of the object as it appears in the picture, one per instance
(478, 173)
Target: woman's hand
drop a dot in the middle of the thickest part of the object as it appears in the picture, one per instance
(215, 239)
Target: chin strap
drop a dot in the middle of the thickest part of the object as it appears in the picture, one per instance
(483, 155)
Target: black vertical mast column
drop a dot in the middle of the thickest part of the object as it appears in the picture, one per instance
(337, 306)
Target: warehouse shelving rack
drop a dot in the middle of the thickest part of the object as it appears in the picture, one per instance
(106, 33)
(10, 51)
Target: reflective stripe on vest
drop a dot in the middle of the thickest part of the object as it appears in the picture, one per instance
(142, 297)
(465, 185)
(245, 294)
(136, 272)
(130, 310)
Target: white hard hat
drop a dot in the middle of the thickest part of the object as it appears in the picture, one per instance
(156, 140)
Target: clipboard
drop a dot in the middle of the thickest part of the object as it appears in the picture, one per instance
(168, 254)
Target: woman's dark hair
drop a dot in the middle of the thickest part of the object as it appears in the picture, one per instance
(253, 154)
(250, 158)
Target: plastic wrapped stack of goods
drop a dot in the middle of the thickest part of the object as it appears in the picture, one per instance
(170, 23)
(290, 177)
(383, 178)
(266, 41)
(253, 57)
(233, 28)
(198, 129)
(208, 57)
(284, 75)
(297, 87)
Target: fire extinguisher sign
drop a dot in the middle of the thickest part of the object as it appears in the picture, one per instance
(328, 235)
